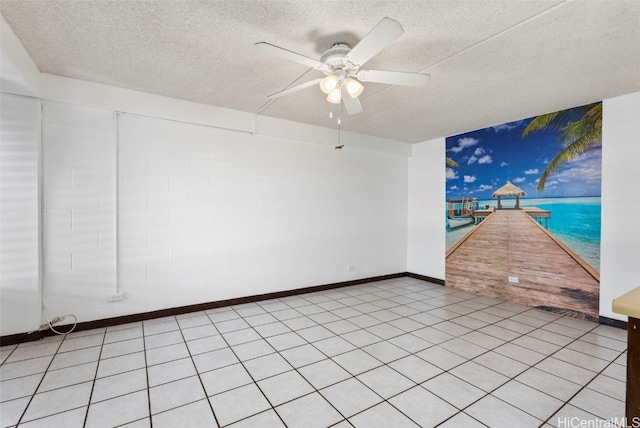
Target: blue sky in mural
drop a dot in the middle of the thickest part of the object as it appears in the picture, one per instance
(487, 158)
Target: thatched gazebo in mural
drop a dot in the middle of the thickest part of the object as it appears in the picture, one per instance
(509, 190)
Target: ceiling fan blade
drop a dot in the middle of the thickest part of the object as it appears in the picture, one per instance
(288, 55)
(294, 89)
(352, 105)
(393, 77)
(382, 35)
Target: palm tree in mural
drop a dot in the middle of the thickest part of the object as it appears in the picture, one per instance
(577, 136)
(449, 163)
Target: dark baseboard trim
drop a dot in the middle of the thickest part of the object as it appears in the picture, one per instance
(612, 322)
(425, 278)
(14, 339)
(125, 319)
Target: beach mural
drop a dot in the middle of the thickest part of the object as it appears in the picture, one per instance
(523, 211)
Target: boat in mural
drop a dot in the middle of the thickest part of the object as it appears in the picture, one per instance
(460, 211)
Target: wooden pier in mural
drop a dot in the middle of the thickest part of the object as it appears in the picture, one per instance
(510, 243)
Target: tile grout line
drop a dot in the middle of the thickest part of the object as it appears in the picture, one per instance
(243, 366)
(35, 392)
(206, 397)
(333, 296)
(146, 371)
(95, 377)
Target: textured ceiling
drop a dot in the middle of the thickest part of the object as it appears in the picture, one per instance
(490, 61)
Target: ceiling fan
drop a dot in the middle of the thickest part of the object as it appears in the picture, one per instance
(341, 66)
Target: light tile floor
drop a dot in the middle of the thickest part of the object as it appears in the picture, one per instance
(394, 353)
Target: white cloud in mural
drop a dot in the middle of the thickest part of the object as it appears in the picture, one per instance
(485, 187)
(504, 164)
(486, 159)
(506, 126)
(531, 171)
(519, 180)
(451, 174)
(479, 151)
(464, 143)
(469, 178)
(585, 169)
(471, 160)
(454, 187)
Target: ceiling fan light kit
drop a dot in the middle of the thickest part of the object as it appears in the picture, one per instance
(353, 87)
(335, 96)
(341, 66)
(329, 83)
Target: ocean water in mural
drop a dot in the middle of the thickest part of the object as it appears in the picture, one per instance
(576, 221)
(523, 211)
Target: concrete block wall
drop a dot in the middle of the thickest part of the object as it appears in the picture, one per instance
(173, 214)
(207, 214)
(79, 223)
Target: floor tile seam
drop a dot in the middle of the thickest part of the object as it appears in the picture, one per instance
(300, 374)
(609, 337)
(160, 332)
(582, 388)
(387, 400)
(133, 421)
(118, 396)
(120, 341)
(460, 336)
(251, 416)
(382, 364)
(383, 400)
(469, 416)
(490, 393)
(54, 353)
(246, 370)
(143, 350)
(524, 334)
(545, 358)
(542, 421)
(206, 397)
(601, 373)
(20, 423)
(24, 412)
(61, 387)
(44, 371)
(576, 365)
(146, 372)
(589, 355)
(606, 347)
(611, 377)
(460, 409)
(510, 378)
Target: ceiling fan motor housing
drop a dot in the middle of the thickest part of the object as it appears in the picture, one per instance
(334, 59)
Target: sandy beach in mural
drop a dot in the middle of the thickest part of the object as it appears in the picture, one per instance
(528, 243)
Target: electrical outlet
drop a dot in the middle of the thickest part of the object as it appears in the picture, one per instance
(513, 279)
(115, 297)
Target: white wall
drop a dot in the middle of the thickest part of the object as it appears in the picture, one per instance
(426, 241)
(79, 220)
(19, 211)
(206, 214)
(620, 240)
